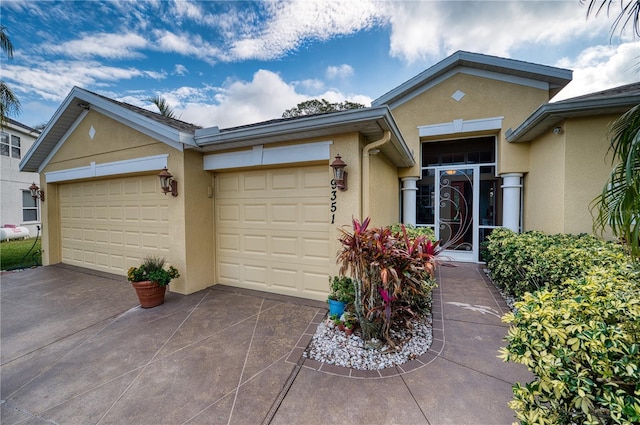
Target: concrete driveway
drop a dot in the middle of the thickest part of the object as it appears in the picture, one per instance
(77, 349)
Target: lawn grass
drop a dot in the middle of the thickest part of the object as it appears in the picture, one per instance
(12, 254)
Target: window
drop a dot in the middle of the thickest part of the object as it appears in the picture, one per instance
(29, 207)
(15, 146)
(4, 145)
(10, 145)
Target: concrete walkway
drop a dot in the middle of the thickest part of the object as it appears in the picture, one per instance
(76, 349)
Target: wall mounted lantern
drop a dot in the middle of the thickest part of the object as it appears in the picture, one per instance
(36, 193)
(339, 175)
(167, 183)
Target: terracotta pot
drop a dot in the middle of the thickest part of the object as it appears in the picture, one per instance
(149, 293)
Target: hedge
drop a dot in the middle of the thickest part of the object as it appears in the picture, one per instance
(581, 341)
(531, 261)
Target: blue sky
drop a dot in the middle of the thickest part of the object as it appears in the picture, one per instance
(231, 63)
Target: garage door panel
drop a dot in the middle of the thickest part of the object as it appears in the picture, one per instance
(256, 275)
(285, 278)
(110, 225)
(229, 272)
(255, 213)
(254, 182)
(317, 214)
(282, 246)
(313, 249)
(284, 181)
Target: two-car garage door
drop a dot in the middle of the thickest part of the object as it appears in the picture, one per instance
(272, 230)
(271, 227)
(109, 225)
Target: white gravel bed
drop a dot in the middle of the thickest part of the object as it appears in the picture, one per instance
(332, 346)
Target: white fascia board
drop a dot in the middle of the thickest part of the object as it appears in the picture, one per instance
(62, 140)
(258, 155)
(56, 116)
(135, 165)
(461, 126)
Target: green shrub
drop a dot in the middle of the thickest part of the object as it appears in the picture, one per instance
(530, 261)
(413, 231)
(342, 289)
(582, 343)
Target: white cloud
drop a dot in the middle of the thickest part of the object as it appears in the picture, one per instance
(180, 69)
(112, 46)
(601, 67)
(53, 80)
(263, 98)
(427, 30)
(187, 45)
(340, 71)
(293, 22)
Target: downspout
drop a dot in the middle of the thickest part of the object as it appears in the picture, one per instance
(386, 137)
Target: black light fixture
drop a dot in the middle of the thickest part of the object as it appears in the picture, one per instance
(167, 183)
(36, 193)
(339, 175)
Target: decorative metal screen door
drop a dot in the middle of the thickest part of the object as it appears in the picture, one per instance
(455, 212)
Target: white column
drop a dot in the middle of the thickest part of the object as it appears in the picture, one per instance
(511, 195)
(409, 194)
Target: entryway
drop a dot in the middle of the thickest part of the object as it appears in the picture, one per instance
(459, 195)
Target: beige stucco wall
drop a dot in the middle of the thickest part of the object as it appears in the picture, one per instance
(567, 171)
(543, 188)
(484, 98)
(384, 191)
(195, 215)
(587, 169)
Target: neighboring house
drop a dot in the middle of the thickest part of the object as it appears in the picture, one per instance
(17, 207)
(463, 147)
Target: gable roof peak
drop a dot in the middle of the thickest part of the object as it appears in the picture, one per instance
(482, 64)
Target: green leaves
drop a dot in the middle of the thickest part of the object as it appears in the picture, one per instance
(526, 262)
(581, 342)
(392, 274)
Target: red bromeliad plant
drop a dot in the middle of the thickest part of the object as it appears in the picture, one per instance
(392, 273)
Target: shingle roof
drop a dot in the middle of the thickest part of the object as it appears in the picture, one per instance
(171, 122)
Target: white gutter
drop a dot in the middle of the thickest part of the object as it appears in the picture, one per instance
(365, 170)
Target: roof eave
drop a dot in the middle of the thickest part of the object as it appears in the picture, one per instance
(212, 139)
(79, 101)
(549, 115)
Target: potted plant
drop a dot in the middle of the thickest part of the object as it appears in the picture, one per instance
(350, 321)
(150, 280)
(342, 293)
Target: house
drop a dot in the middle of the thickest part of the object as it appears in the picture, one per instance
(466, 146)
(17, 207)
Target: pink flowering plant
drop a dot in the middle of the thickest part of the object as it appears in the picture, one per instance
(392, 275)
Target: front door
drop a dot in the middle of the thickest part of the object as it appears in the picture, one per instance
(456, 212)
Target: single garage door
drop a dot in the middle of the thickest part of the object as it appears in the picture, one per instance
(109, 225)
(272, 229)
